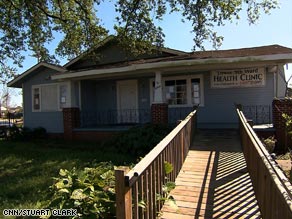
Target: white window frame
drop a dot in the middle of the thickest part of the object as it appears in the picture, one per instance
(188, 78)
(59, 108)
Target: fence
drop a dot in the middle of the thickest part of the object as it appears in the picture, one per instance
(146, 179)
(112, 117)
(10, 119)
(272, 188)
(89, 119)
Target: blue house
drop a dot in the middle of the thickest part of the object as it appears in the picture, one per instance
(115, 89)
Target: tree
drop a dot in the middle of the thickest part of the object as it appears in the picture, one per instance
(27, 25)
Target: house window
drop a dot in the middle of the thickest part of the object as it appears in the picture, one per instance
(176, 92)
(195, 91)
(49, 97)
(36, 99)
(181, 91)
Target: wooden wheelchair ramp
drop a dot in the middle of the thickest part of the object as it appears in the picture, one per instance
(213, 182)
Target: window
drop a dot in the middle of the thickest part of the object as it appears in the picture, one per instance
(176, 92)
(36, 99)
(195, 91)
(49, 97)
(181, 91)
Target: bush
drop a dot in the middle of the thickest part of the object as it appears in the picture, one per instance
(26, 134)
(39, 133)
(270, 143)
(90, 191)
(139, 140)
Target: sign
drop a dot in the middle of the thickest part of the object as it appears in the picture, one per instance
(247, 77)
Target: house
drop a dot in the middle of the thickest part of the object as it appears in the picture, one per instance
(93, 93)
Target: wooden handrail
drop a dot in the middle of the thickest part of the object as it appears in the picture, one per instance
(272, 188)
(136, 191)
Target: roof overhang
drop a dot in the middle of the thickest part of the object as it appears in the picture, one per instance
(17, 82)
(200, 64)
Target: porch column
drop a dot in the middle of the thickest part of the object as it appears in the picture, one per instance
(159, 109)
(71, 120)
(158, 88)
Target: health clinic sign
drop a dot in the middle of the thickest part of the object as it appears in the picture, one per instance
(247, 77)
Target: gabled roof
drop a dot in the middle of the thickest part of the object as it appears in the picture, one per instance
(112, 38)
(17, 82)
(102, 43)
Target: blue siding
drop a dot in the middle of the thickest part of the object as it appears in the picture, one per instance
(219, 110)
(51, 121)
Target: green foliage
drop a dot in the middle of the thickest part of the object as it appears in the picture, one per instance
(27, 168)
(26, 134)
(166, 197)
(168, 167)
(288, 123)
(139, 140)
(270, 143)
(91, 191)
(33, 25)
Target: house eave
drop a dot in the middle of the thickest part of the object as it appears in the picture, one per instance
(146, 67)
(17, 82)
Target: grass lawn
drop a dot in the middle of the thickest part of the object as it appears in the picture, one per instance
(27, 168)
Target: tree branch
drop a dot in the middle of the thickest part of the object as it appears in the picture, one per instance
(50, 15)
(135, 7)
(14, 6)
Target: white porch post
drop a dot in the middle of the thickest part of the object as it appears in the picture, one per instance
(158, 88)
(159, 109)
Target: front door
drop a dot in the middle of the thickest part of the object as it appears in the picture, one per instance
(127, 101)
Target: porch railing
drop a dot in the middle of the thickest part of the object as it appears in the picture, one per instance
(178, 113)
(259, 114)
(109, 117)
(146, 179)
(272, 188)
(90, 119)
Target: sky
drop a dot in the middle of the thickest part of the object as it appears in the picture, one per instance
(275, 28)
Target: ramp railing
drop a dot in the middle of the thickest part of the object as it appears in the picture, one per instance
(136, 190)
(272, 188)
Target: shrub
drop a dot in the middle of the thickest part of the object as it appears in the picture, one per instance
(39, 133)
(270, 143)
(26, 134)
(91, 191)
(139, 140)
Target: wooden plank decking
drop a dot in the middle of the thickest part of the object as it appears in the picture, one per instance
(213, 182)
